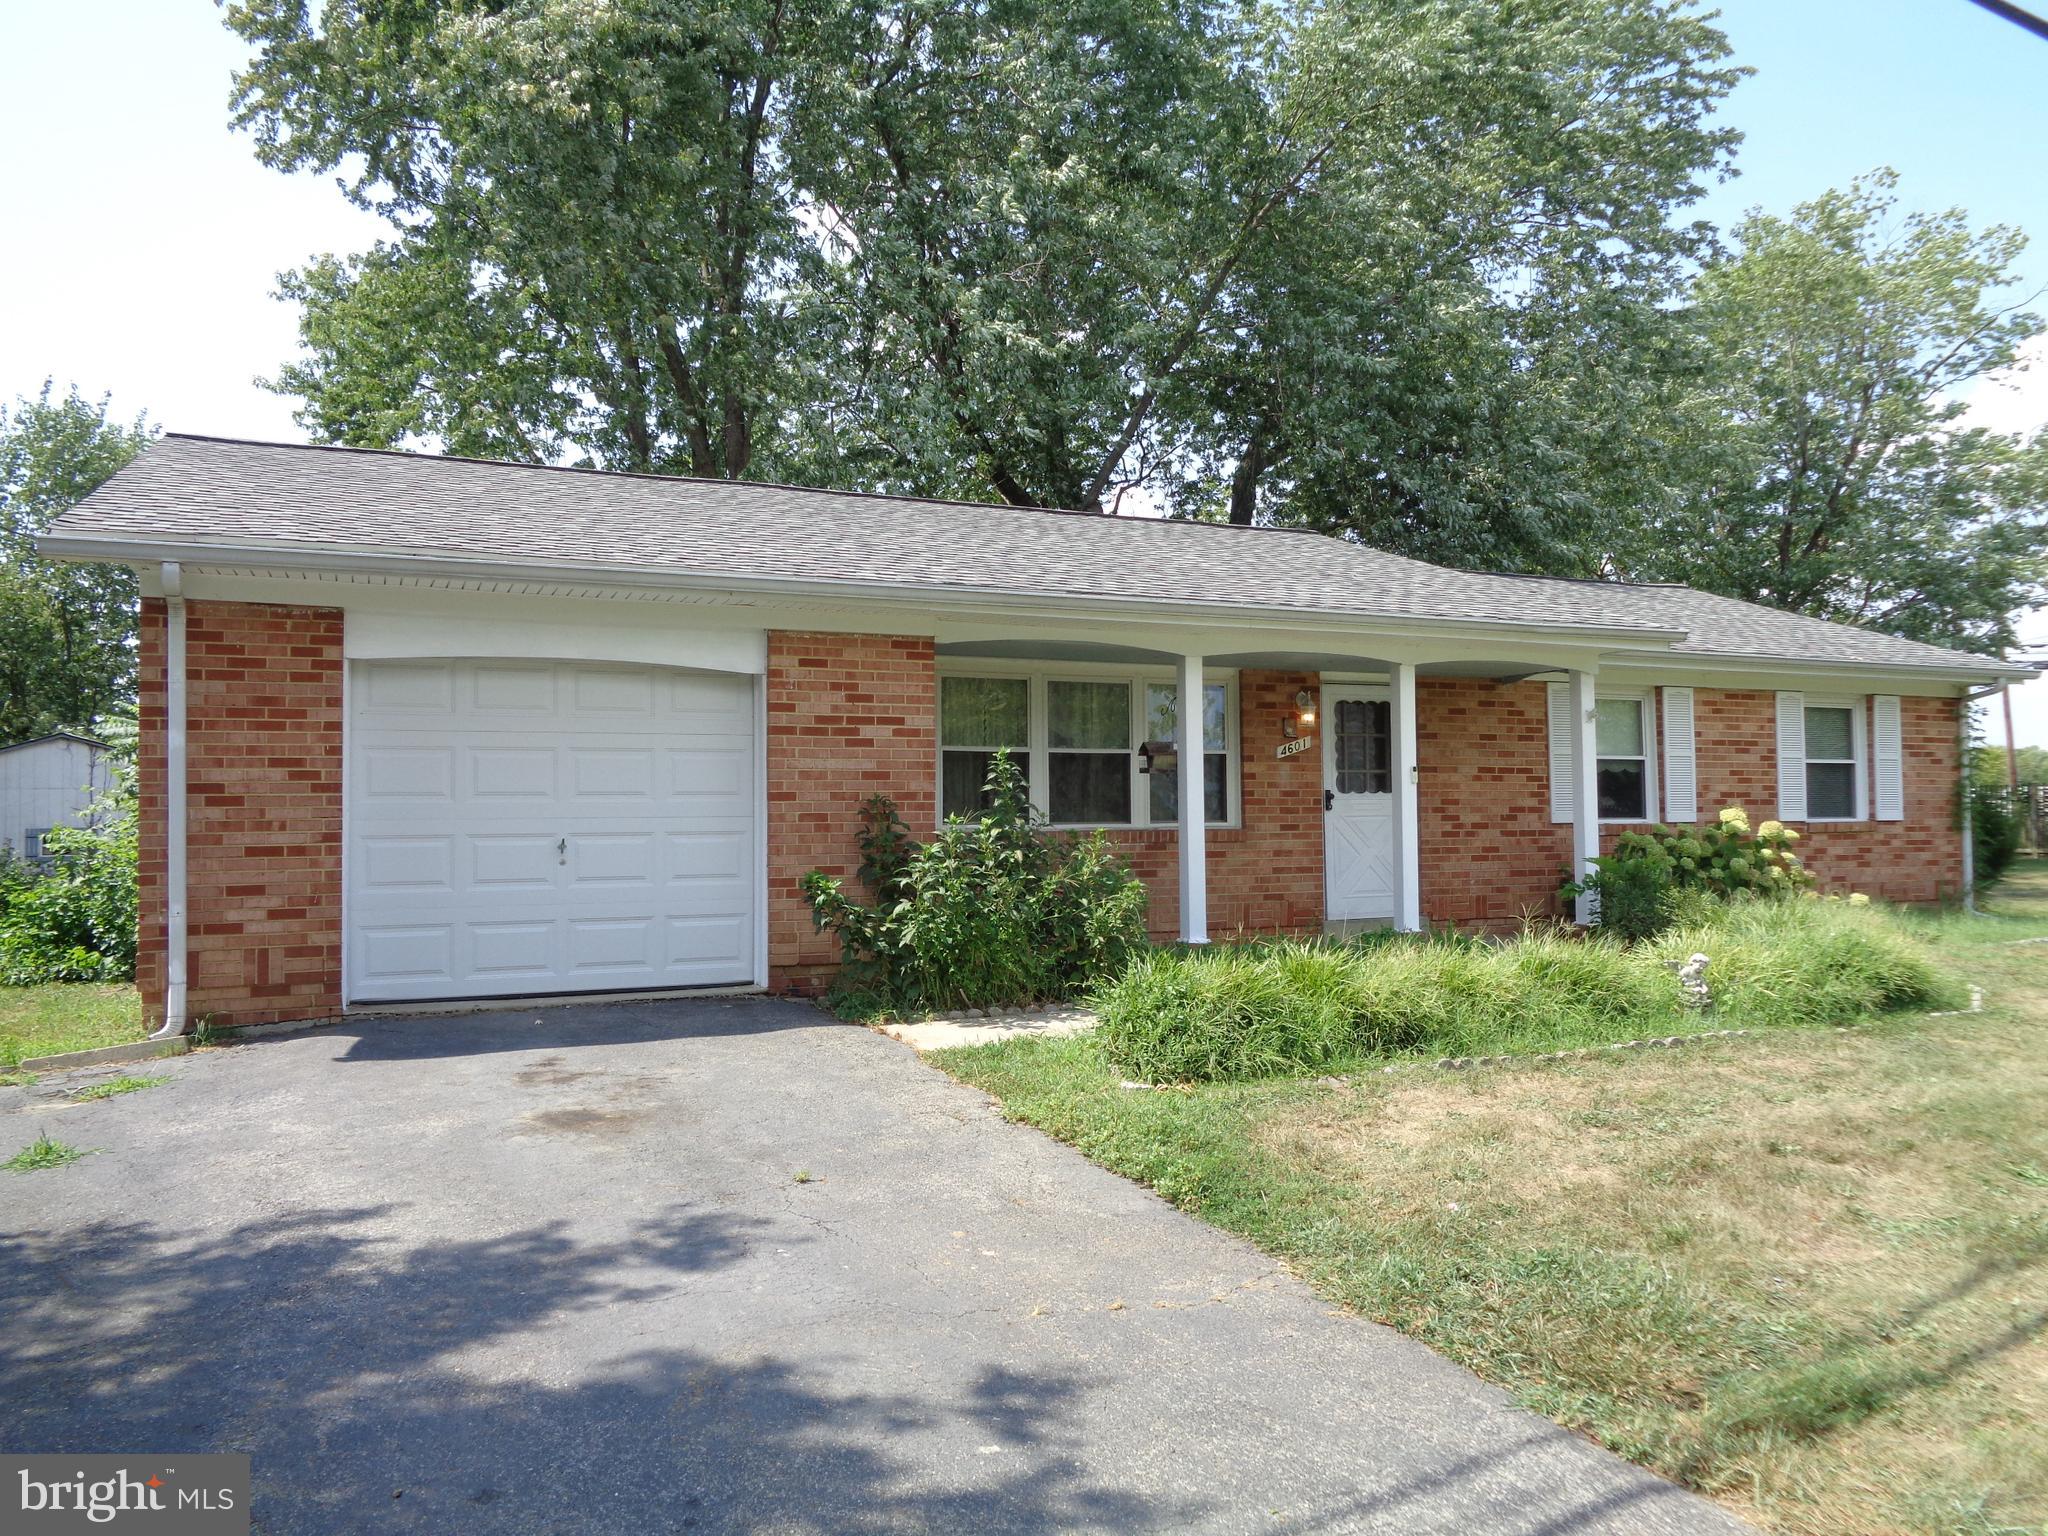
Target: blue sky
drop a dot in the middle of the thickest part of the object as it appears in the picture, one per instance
(143, 240)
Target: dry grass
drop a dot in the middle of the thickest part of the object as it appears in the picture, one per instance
(1806, 1272)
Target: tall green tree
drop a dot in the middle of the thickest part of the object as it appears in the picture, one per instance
(593, 236)
(1345, 263)
(1826, 463)
(67, 632)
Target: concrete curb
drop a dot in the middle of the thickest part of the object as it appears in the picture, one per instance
(1976, 1006)
(134, 1050)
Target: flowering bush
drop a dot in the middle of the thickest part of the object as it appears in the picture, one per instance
(1638, 883)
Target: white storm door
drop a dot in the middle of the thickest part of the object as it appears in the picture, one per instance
(1358, 800)
(518, 828)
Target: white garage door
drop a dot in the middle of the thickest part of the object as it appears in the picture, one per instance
(519, 828)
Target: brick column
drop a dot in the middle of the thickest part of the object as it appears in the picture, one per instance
(849, 716)
(263, 757)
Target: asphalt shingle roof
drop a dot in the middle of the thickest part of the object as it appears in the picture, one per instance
(234, 495)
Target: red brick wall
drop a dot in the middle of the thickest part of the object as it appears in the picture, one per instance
(855, 715)
(1490, 851)
(263, 812)
(849, 716)
(1917, 859)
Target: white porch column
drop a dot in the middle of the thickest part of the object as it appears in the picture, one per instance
(1194, 824)
(1407, 803)
(1585, 787)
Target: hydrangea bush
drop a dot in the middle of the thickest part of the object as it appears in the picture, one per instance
(1639, 885)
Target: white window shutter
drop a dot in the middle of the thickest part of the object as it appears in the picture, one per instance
(1887, 758)
(1560, 751)
(1681, 774)
(1792, 757)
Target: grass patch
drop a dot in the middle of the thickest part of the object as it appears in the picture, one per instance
(1806, 1272)
(43, 1153)
(17, 1079)
(115, 1087)
(66, 1016)
(1281, 1008)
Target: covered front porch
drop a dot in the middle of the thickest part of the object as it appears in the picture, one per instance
(1316, 810)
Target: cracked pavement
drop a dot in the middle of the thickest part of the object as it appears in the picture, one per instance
(562, 1271)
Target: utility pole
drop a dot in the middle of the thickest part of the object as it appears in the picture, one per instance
(2012, 751)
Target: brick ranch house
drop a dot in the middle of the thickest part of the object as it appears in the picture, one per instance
(423, 729)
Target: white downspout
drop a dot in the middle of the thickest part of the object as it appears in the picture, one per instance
(175, 1020)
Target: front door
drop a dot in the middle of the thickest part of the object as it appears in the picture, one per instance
(1358, 803)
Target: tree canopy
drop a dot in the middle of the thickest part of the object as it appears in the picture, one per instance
(1333, 262)
(1417, 272)
(1825, 465)
(67, 632)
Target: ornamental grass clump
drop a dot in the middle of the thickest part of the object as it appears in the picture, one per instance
(1815, 960)
(1231, 1014)
(1234, 1013)
(1290, 1007)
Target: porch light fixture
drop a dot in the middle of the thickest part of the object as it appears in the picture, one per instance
(1150, 752)
(1305, 701)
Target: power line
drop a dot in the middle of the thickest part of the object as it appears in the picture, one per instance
(2015, 15)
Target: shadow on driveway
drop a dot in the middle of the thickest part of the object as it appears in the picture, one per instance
(720, 1265)
(340, 1366)
(426, 1037)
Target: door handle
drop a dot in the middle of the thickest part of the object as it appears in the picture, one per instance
(1329, 799)
(562, 851)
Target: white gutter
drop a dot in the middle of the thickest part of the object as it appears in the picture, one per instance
(175, 1017)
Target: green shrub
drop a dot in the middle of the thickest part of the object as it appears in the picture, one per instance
(72, 917)
(1636, 887)
(1996, 831)
(992, 912)
(75, 919)
(1639, 884)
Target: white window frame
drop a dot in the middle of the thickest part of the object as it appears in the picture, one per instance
(1037, 676)
(1644, 700)
(1859, 746)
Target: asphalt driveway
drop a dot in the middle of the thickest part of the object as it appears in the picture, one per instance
(714, 1266)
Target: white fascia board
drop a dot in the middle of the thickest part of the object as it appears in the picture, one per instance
(1182, 612)
(1855, 677)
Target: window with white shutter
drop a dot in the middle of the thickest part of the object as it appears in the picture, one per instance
(1823, 764)
(1681, 770)
(1560, 697)
(1792, 757)
(1887, 759)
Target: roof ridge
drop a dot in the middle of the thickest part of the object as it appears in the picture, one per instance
(1597, 581)
(36, 741)
(764, 485)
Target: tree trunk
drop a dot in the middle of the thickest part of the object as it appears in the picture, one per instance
(1244, 482)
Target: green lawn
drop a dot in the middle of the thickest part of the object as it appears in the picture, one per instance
(1806, 1272)
(66, 1016)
